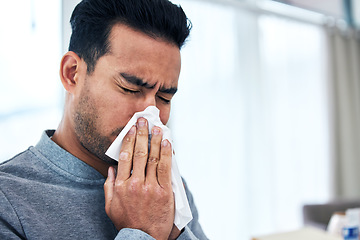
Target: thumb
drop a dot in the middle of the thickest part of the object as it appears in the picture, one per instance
(109, 188)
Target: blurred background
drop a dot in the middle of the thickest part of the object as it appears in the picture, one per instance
(267, 117)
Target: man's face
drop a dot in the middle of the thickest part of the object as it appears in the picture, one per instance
(138, 72)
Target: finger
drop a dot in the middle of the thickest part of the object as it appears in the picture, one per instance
(154, 155)
(125, 157)
(109, 187)
(164, 165)
(141, 149)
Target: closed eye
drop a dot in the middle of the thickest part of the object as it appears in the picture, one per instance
(129, 90)
(167, 101)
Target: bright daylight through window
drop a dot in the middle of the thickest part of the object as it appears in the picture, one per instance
(30, 92)
(250, 116)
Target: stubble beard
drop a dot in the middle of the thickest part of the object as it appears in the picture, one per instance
(86, 128)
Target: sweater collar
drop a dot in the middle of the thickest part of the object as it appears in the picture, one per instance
(65, 160)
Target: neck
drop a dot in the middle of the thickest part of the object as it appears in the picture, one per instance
(66, 138)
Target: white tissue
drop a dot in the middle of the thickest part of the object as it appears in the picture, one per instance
(182, 209)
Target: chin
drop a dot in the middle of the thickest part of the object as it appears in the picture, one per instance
(108, 160)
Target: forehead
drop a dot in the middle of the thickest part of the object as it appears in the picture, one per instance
(136, 53)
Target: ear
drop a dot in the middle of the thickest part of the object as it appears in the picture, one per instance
(72, 69)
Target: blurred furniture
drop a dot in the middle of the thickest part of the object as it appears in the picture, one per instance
(318, 215)
(307, 233)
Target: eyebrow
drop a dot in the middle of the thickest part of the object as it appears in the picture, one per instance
(140, 82)
(136, 81)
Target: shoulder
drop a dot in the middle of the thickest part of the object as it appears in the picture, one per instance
(17, 164)
(20, 170)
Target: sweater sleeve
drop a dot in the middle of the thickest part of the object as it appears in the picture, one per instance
(133, 234)
(10, 226)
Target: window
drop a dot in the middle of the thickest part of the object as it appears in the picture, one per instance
(30, 92)
(250, 119)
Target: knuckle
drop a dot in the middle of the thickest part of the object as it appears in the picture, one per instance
(107, 185)
(134, 185)
(118, 186)
(153, 192)
(164, 195)
(142, 132)
(124, 156)
(148, 191)
(128, 139)
(153, 159)
(163, 168)
(140, 154)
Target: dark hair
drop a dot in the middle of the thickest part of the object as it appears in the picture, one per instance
(92, 21)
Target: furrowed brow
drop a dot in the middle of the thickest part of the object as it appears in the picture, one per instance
(136, 81)
(171, 91)
(139, 82)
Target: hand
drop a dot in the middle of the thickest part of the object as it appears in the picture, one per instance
(142, 199)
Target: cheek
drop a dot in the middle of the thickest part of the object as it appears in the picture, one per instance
(121, 113)
(115, 114)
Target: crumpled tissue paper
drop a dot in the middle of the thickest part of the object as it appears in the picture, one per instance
(182, 209)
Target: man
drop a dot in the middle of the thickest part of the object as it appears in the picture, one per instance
(124, 56)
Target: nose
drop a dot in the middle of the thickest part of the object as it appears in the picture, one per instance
(149, 100)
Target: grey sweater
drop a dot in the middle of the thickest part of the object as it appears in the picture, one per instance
(47, 193)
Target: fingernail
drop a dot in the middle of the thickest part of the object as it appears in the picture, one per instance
(110, 172)
(132, 130)
(165, 143)
(156, 131)
(141, 122)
